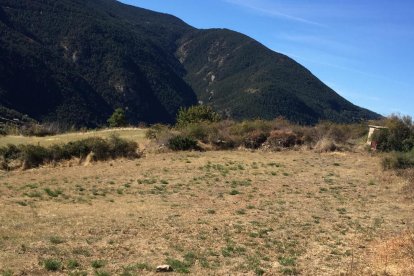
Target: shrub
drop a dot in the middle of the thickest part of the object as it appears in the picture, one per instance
(98, 263)
(33, 155)
(118, 118)
(398, 160)
(182, 143)
(200, 131)
(119, 147)
(325, 145)
(155, 132)
(196, 114)
(282, 139)
(255, 139)
(398, 137)
(52, 264)
(10, 152)
(40, 130)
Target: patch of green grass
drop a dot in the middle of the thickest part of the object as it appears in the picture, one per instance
(341, 211)
(287, 261)
(7, 272)
(33, 194)
(102, 273)
(131, 270)
(52, 265)
(234, 192)
(241, 212)
(179, 266)
(56, 240)
(78, 273)
(53, 193)
(98, 263)
(73, 264)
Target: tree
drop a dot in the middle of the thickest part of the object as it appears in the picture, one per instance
(117, 118)
(196, 114)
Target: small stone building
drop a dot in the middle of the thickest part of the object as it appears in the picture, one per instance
(372, 130)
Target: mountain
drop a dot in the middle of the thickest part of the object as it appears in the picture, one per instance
(75, 61)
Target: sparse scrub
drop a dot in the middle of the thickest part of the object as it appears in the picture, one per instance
(32, 156)
(398, 160)
(255, 139)
(279, 139)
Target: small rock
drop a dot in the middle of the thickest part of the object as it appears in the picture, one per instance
(164, 268)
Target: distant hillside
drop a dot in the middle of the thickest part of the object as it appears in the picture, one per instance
(75, 61)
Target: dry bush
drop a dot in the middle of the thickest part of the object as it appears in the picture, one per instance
(325, 145)
(338, 133)
(255, 139)
(279, 139)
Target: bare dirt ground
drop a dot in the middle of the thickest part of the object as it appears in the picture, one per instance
(211, 213)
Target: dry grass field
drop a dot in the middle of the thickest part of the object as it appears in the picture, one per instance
(208, 213)
(135, 134)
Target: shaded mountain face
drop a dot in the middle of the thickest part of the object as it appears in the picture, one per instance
(75, 61)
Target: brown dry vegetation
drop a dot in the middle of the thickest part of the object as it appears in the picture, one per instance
(210, 213)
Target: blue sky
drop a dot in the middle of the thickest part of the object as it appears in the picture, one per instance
(363, 49)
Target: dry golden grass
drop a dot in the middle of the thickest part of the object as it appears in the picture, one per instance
(212, 213)
(135, 134)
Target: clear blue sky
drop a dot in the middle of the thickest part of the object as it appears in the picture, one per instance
(363, 49)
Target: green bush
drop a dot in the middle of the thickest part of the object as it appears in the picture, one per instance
(196, 114)
(52, 264)
(119, 147)
(399, 135)
(182, 143)
(398, 160)
(118, 118)
(33, 155)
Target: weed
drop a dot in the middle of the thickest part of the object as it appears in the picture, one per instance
(56, 240)
(73, 264)
(179, 266)
(132, 269)
(52, 265)
(241, 212)
(7, 272)
(341, 211)
(287, 261)
(98, 263)
(53, 193)
(102, 273)
(234, 192)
